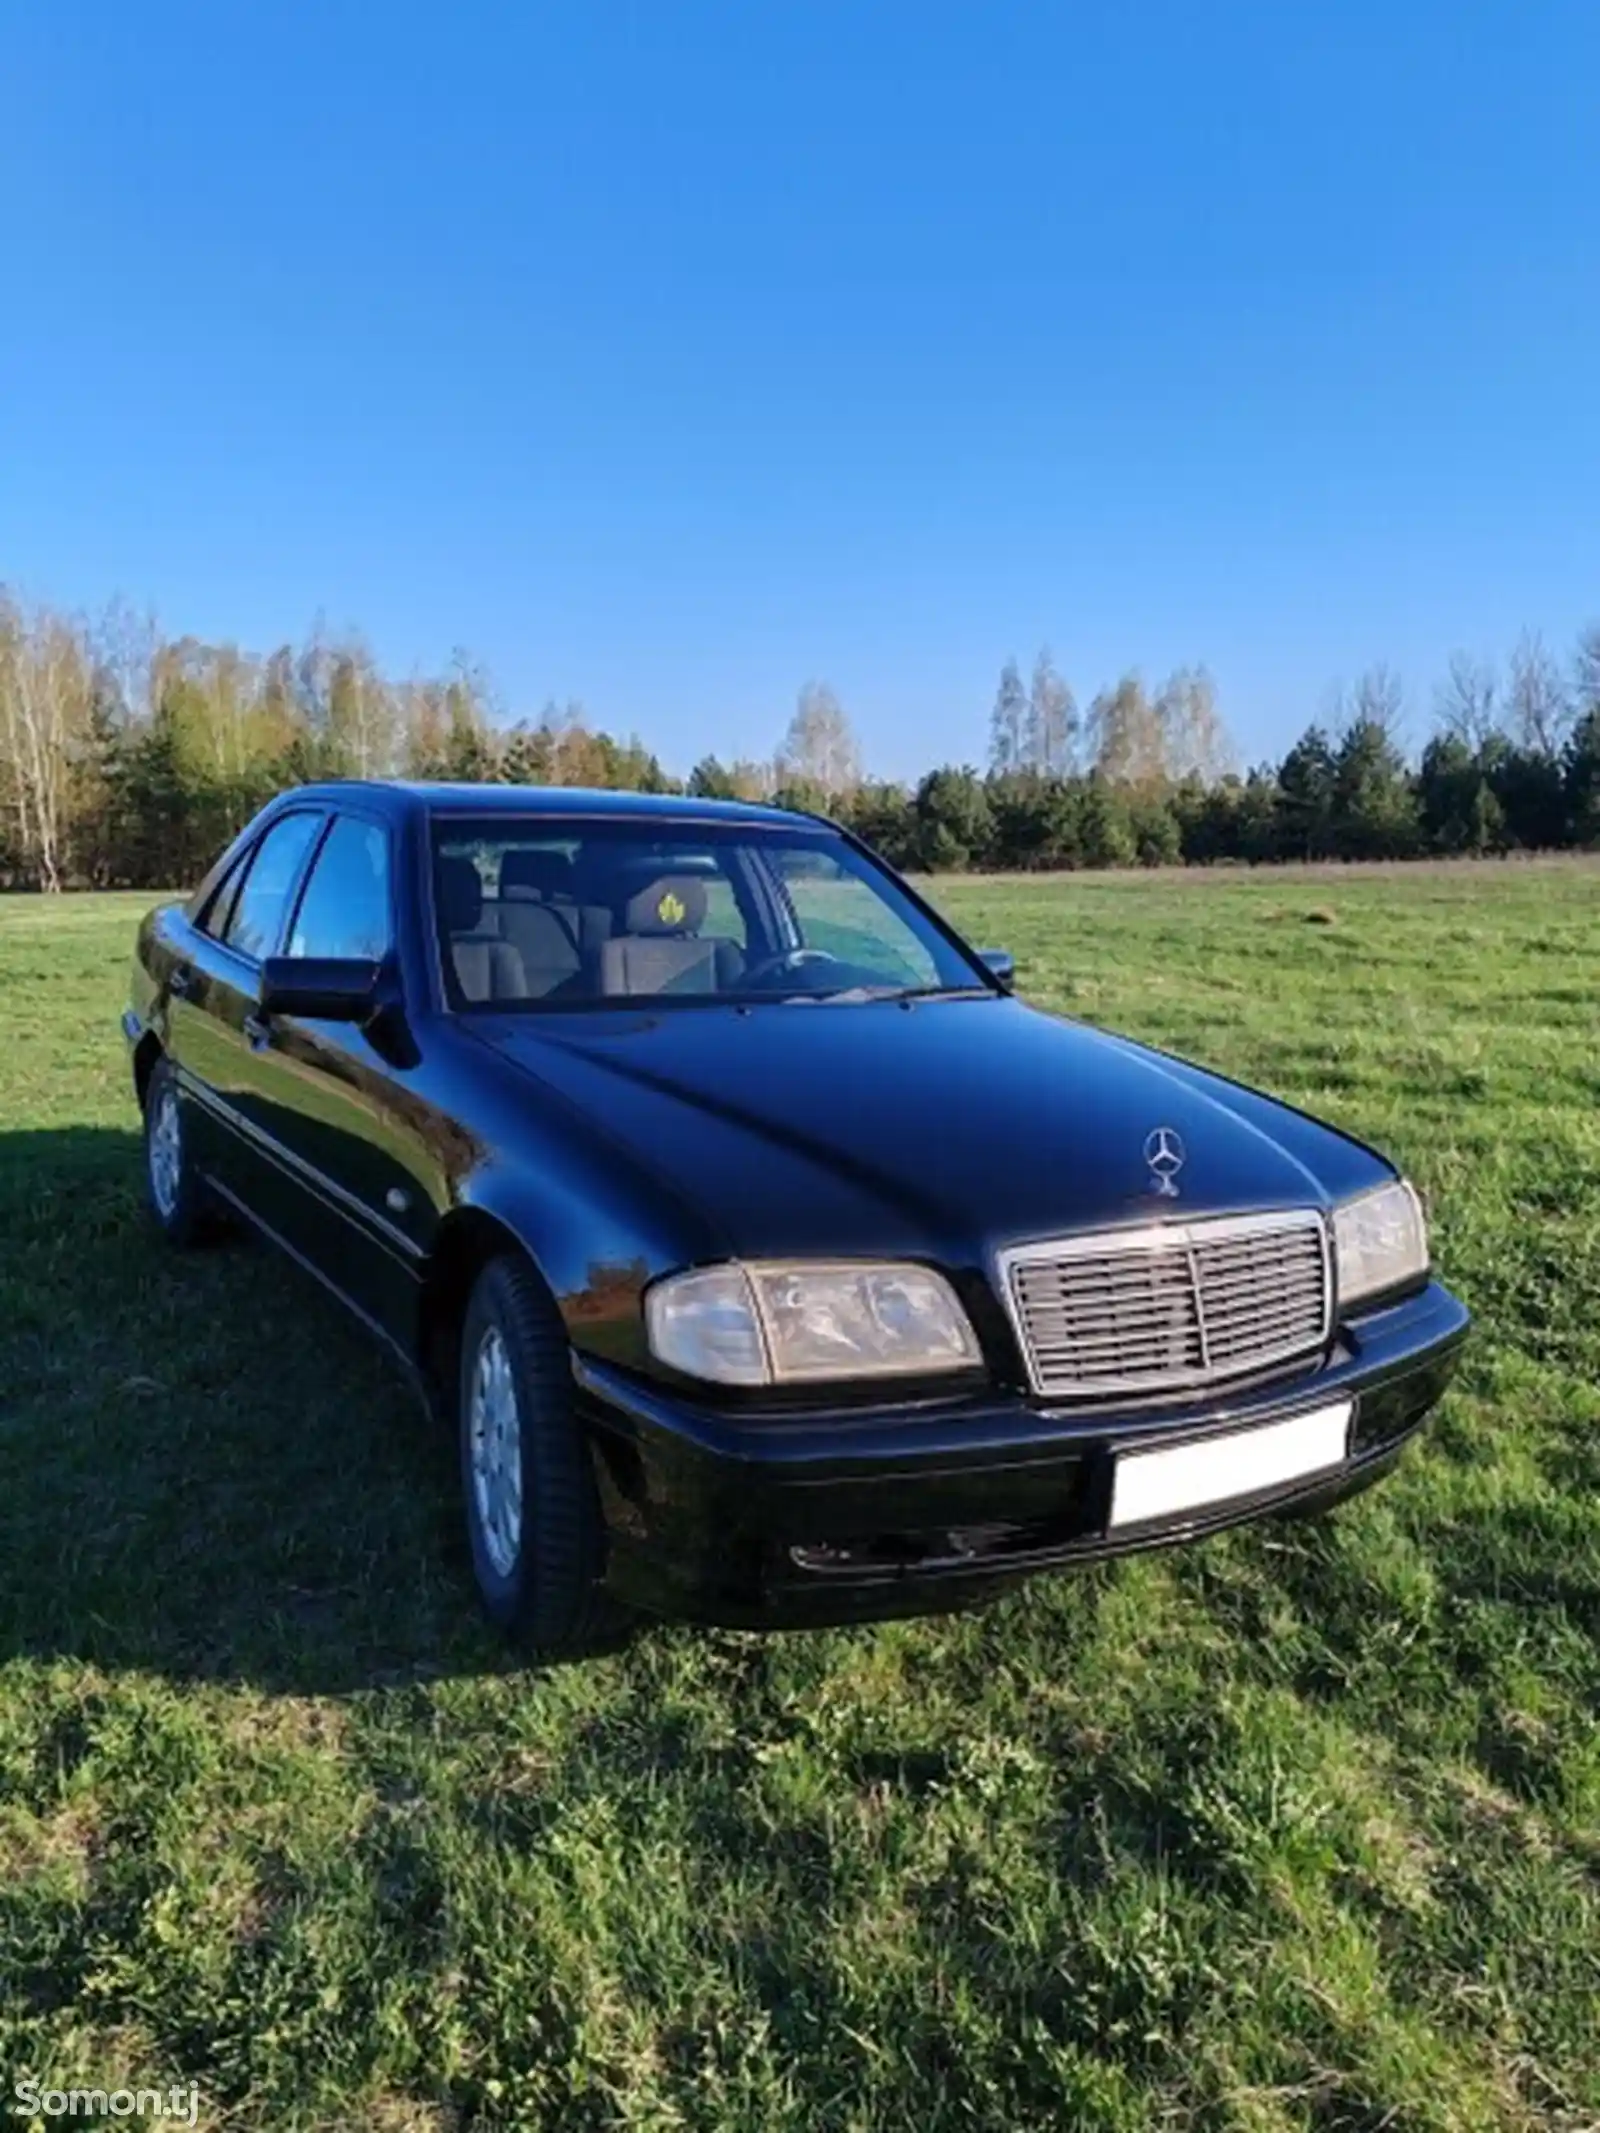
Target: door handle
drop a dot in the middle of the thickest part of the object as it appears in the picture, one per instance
(259, 1031)
(181, 982)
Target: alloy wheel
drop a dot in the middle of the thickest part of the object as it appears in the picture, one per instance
(166, 1152)
(494, 1428)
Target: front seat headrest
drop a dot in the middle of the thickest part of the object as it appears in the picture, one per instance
(667, 904)
(460, 894)
(545, 874)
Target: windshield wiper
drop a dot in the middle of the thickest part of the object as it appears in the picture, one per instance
(935, 992)
(851, 995)
(856, 995)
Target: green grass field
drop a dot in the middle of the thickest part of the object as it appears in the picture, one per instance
(1300, 1829)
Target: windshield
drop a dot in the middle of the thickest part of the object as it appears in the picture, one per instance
(543, 913)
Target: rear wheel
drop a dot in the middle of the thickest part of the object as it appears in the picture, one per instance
(175, 1190)
(533, 1516)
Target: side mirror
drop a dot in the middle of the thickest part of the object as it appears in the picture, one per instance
(1001, 966)
(326, 988)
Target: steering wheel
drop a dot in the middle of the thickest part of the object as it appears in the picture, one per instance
(790, 959)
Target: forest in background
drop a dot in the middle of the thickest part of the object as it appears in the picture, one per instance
(128, 758)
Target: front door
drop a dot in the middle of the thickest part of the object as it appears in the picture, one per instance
(333, 1101)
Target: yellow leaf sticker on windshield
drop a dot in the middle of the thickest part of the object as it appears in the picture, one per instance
(670, 910)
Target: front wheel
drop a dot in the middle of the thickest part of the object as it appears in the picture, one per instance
(176, 1192)
(533, 1515)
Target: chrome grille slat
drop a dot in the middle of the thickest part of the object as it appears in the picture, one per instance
(1267, 1300)
(1115, 1295)
(1246, 1273)
(1117, 1322)
(1118, 1333)
(1258, 1266)
(1071, 1327)
(1217, 1309)
(1112, 1303)
(1283, 1281)
(1240, 1322)
(1232, 1297)
(1173, 1305)
(1263, 1307)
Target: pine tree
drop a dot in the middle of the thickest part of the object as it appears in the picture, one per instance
(1306, 782)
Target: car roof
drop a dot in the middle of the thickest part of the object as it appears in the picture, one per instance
(411, 796)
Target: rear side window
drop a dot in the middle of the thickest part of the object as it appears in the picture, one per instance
(257, 917)
(345, 908)
(219, 907)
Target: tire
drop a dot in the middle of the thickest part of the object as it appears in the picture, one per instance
(173, 1187)
(538, 1570)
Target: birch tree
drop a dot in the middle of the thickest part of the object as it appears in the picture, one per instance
(1052, 745)
(1465, 703)
(46, 694)
(820, 747)
(1008, 722)
(1537, 702)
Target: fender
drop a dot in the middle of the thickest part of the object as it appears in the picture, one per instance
(596, 1247)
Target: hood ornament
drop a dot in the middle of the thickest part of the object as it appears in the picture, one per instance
(1165, 1153)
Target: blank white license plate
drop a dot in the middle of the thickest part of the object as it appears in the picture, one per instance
(1189, 1477)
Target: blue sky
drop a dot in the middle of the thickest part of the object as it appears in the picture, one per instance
(666, 356)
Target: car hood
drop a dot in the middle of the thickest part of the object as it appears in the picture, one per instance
(933, 1128)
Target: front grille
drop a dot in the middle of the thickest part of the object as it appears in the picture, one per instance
(1178, 1304)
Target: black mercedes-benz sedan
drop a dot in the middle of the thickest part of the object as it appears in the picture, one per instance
(774, 1262)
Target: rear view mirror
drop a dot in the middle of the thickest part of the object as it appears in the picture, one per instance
(1001, 966)
(328, 988)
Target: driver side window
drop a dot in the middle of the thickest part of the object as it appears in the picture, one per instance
(344, 910)
(256, 919)
(837, 912)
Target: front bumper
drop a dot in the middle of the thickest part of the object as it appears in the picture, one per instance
(847, 1515)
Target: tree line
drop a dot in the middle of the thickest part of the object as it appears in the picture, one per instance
(128, 759)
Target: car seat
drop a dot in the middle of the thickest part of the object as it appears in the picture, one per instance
(656, 949)
(486, 967)
(544, 931)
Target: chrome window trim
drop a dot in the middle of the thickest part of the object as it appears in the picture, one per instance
(1165, 1236)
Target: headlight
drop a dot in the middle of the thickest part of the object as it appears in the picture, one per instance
(772, 1325)
(1380, 1240)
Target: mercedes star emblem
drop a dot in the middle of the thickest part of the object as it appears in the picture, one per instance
(1164, 1152)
